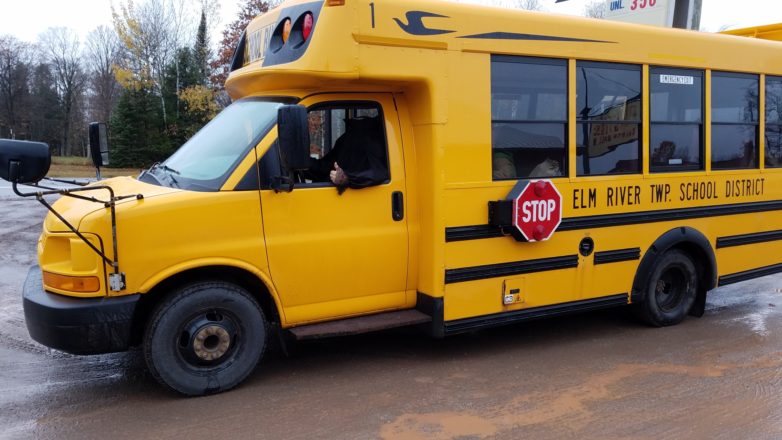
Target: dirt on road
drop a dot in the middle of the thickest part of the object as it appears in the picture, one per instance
(600, 375)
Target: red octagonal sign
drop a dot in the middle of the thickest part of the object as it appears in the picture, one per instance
(537, 210)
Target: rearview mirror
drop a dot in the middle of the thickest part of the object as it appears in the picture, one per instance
(99, 144)
(24, 162)
(293, 134)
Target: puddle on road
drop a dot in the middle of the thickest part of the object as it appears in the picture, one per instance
(755, 307)
(758, 320)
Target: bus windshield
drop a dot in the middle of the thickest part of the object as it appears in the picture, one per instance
(204, 162)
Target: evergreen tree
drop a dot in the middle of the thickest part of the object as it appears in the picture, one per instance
(45, 117)
(181, 75)
(137, 132)
(201, 51)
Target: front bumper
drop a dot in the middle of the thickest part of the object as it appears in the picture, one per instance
(77, 325)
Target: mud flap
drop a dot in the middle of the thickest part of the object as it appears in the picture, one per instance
(699, 306)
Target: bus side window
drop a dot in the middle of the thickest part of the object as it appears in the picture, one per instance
(608, 109)
(676, 129)
(529, 117)
(734, 121)
(773, 122)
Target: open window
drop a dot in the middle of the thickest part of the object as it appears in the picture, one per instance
(352, 131)
(352, 136)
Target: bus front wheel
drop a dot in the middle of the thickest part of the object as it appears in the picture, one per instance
(670, 291)
(205, 338)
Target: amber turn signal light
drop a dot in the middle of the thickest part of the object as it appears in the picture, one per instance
(71, 284)
(286, 30)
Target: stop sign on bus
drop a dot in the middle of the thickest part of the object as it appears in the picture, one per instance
(537, 210)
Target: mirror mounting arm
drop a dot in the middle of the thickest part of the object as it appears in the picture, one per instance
(279, 181)
(117, 278)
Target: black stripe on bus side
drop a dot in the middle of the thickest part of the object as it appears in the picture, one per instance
(461, 233)
(739, 240)
(513, 268)
(469, 324)
(749, 274)
(617, 256)
(530, 37)
(633, 218)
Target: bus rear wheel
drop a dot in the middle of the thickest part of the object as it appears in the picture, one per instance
(671, 290)
(205, 338)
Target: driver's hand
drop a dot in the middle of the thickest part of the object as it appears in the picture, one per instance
(338, 176)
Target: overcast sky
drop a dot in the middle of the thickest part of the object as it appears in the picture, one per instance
(25, 19)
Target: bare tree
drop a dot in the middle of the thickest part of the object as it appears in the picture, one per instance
(102, 53)
(61, 48)
(530, 5)
(152, 33)
(595, 9)
(16, 59)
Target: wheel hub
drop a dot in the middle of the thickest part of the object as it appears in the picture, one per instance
(211, 342)
(209, 338)
(671, 288)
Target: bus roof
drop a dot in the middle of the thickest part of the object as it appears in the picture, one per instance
(415, 41)
(768, 32)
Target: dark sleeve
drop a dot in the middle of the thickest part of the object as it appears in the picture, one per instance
(320, 169)
(375, 169)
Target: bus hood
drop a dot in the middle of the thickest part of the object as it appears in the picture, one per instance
(74, 210)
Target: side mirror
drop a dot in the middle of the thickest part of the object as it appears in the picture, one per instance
(24, 162)
(99, 144)
(293, 133)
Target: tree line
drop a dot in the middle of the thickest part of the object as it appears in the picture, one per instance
(153, 76)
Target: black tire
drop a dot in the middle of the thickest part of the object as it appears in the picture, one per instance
(670, 290)
(205, 338)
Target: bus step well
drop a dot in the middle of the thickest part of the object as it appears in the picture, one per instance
(361, 324)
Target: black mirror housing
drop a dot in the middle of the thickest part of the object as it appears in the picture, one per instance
(99, 144)
(294, 137)
(23, 161)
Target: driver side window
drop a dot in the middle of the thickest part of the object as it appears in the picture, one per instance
(348, 138)
(350, 135)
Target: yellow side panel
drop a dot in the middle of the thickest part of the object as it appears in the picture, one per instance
(742, 258)
(483, 297)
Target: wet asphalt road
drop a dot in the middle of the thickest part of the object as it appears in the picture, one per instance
(600, 375)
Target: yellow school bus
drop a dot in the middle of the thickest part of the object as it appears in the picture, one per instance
(663, 146)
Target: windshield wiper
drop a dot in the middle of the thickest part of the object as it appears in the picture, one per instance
(169, 169)
(170, 172)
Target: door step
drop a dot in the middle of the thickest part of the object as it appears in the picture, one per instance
(361, 324)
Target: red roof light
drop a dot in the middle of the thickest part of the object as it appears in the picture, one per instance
(306, 28)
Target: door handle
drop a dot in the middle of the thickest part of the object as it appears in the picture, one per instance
(397, 206)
